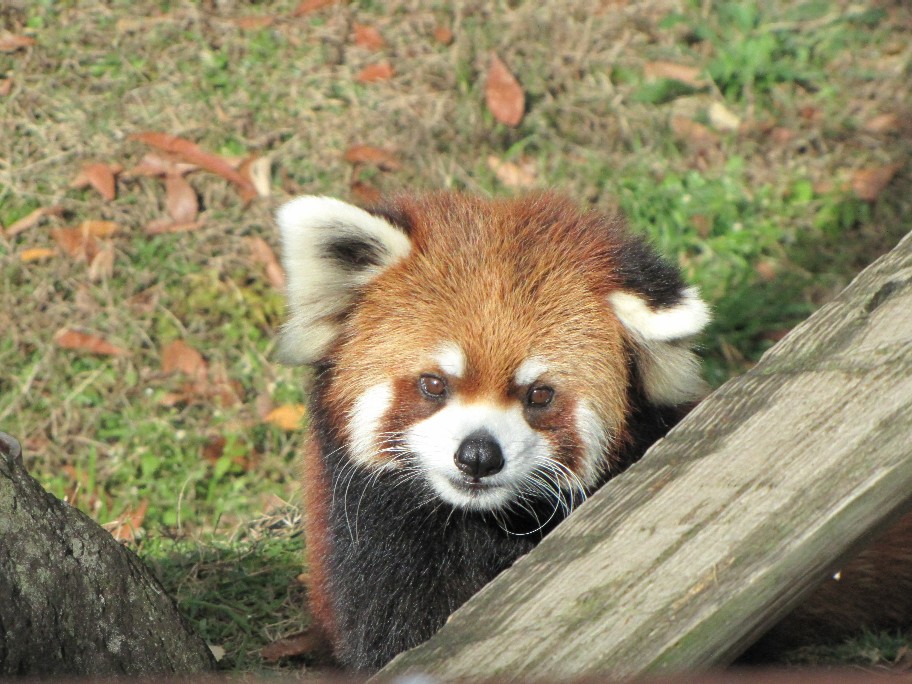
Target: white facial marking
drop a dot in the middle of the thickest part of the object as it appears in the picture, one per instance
(435, 441)
(450, 359)
(530, 370)
(364, 422)
(595, 440)
(685, 319)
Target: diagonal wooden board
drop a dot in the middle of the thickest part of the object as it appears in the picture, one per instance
(724, 525)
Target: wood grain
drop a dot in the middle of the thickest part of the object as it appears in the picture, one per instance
(727, 523)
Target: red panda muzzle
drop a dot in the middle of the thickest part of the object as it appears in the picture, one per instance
(479, 455)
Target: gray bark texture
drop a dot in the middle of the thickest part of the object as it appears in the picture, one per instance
(728, 523)
(73, 601)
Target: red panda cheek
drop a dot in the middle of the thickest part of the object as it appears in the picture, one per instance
(409, 406)
(557, 424)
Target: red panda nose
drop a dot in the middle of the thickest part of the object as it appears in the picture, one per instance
(479, 455)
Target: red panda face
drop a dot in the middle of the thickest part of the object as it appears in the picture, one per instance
(486, 347)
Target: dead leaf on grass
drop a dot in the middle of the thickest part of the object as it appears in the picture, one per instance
(213, 449)
(32, 219)
(309, 6)
(193, 153)
(6, 85)
(180, 357)
(259, 171)
(263, 254)
(128, 525)
(286, 417)
(304, 643)
(101, 267)
(11, 43)
(166, 225)
(76, 243)
(365, 193)
(693, 133)
(503, 94)
(882, 123)
(156, 165)
(514, 175)
(100, 176)
(443, 35)
(67, 338)
(722, 118)
(368, 37)
(99, 229)
(689, 75)
(36, 254)
(376, 72)
(252, 23)
(375, 156)
(870, 182)
(180, 199)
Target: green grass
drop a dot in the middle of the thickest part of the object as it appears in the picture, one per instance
(763, 219)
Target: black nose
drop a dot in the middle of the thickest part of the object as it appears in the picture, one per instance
(479, 455)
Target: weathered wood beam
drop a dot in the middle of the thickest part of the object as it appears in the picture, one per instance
(727, 523)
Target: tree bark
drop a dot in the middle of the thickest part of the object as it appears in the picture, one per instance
(73, 601)
(728, 523)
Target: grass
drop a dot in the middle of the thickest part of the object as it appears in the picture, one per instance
(762, 217)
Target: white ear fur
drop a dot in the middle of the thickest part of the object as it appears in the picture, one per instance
(329, 250)
(670, 370)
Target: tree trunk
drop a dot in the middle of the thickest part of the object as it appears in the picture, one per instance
(73, 601)
(729, 522)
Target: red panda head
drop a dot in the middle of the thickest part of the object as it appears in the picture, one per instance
(490, 347)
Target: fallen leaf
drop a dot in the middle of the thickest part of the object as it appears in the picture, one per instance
(100, 176)
(32, 219)
(75, 243)
(286, 417)
(309, 6)
(101, 267)
(128, 525)
(264, 254)
(375, 72)
(810, 113)
(252, 23)
(375, 156)
(67, 338)
(443, 35)
(218, 652)
(180, 199)
(36, 254)
(178, 356)
(11, 43)
(100, 229)
(675, 72)
(155, 165)
(882, 123)
(214, 448)
(259, 171)
(722, 118)
(6, 85)
(305, 643)
(365, 193)
(503, 94)
(164, 225)
(868, 183)
(692, 132)
(513, 175)
(193, 153)
(368, 37)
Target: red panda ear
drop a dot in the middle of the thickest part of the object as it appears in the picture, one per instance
(329, 250)
(661, 336)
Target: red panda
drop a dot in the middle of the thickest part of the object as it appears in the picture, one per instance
(480, 368)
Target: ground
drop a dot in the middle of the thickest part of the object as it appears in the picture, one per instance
(764, 146)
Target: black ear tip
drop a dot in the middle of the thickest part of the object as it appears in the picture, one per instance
(355, 253)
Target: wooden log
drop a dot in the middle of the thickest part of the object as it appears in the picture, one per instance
(73, 601)
(727, 523)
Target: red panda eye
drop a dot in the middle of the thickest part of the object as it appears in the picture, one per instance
(432, 386)
(540, 396)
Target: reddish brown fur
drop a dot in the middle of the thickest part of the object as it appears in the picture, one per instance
(504, 280)
(317, 492)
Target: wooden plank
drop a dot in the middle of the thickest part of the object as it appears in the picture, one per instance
(727, 523)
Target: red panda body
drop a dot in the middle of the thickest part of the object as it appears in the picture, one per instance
(481, 367)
